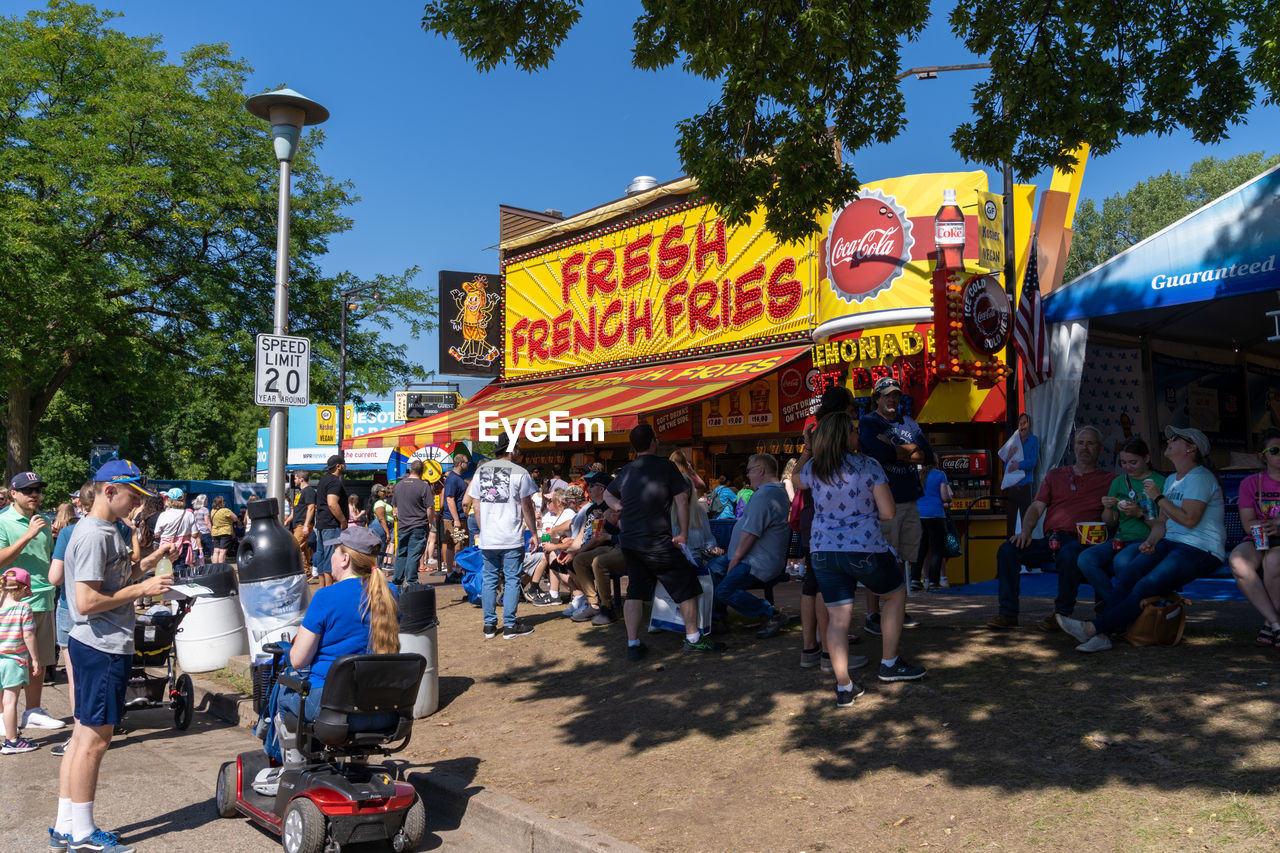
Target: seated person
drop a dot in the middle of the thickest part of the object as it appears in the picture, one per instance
(1257, 573)
(357, 614)
(757, 550)
(1188, 540)
(594, 554)
(1069, 495)
(553, 523)
(1122, 512)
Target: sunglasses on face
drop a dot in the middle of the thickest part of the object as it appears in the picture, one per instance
(1272, 451)
(32, 490)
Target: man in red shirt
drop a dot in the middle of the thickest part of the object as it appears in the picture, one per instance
(1068, 495)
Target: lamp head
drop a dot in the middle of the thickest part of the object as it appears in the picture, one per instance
(288, 113)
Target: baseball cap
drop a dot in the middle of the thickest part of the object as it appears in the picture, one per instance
(174, 494)
(575, 493)
(122, 471)
(16, 575)
(362, 540)
(334, 461)
(1195, 436)
(885, 385)
(25, 480)
(598, 478)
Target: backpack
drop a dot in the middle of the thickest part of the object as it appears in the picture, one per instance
(1160, 622)
(470, 563)
(717, 503)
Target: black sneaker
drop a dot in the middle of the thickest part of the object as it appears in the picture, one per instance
(702, 646)
(530, 593)
(772, 625)
(901, 671)
(61, 749)
(909, 621)
(517, 630)
(635, 653)
(844, 698)
(917, 586)
(545, 599)
(872, 625)
(490, 631)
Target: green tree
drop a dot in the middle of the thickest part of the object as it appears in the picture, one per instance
(1132, 216)
(137, 232)
(797, 75)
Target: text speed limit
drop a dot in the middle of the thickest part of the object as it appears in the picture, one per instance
(282, 374)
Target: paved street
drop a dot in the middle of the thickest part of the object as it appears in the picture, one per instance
(156, 788)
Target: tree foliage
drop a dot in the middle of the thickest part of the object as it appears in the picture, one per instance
(137, 247)
(1129, 217)
(1063, 73)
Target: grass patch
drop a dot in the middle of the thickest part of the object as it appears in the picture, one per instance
(240, 681)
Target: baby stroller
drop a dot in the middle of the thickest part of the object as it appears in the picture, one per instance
(334, 796)
(152, 650)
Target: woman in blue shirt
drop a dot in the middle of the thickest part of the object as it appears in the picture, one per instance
(1188, 540)
(1019, 496)
(933, 522)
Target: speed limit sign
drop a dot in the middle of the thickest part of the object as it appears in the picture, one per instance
(282, 371)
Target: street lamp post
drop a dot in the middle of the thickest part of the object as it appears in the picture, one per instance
(931, 72)
(347, 296)
(288, 113)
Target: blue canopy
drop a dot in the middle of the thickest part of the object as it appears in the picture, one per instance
(1226, 248)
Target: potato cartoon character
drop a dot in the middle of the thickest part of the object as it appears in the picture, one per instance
(474, 312)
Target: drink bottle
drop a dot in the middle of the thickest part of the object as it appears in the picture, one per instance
(948, 233)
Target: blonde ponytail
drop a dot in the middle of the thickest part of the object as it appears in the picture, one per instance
(379, 603)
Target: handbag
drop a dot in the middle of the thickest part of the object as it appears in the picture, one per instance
(1160, 622)
(952, 545)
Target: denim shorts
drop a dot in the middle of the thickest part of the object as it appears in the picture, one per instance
(62, 620)
(840, 572)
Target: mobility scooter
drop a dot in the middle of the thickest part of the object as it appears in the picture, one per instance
(333, 795)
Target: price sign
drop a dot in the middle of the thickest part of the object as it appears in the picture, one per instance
(282, 371)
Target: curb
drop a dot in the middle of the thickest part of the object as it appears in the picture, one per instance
(504, 822)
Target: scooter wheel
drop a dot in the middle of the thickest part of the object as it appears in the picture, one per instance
(184, 704)
(225, 794)
(413, 828)
(303, 828)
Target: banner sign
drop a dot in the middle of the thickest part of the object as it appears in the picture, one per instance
(674, 283)
(747, 409)
(991, 232)
(470, 323)
(674, 424)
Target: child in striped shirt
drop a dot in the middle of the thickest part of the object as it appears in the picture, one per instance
(19, 660)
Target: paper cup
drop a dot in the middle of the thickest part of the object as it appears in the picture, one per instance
(1259, 535)
(1091, 532)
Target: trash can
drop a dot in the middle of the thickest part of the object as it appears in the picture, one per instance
(212, 632)
(272, 584)
(418, 624)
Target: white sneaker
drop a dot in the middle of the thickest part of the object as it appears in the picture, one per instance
(38, 718)
(943, 583)
(267, 782)
(1096, 643)
(1074, 627)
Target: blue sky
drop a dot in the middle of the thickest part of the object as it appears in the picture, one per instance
(433, 146)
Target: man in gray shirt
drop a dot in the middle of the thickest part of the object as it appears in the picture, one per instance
(414, 517)
(758, 547)
(102, 584)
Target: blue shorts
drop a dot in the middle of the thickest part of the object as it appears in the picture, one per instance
(839, 573)
(101, 680)
(327, 544)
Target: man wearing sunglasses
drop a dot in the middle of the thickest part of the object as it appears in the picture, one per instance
(26, 542)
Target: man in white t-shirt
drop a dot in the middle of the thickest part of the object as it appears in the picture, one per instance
(502, 494)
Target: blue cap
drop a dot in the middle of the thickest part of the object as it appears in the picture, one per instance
(125, 472)
(174, 494)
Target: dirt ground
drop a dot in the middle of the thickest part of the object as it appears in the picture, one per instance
(1013, 741)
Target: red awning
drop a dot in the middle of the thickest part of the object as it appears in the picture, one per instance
(619, 398)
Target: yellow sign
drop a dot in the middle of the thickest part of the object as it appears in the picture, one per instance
(991, 232)
(327, 425)
(746, 410)
(679, 282)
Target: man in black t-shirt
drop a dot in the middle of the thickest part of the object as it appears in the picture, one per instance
(331, 515)
(643, 492)
(413, 502)
(302, 519)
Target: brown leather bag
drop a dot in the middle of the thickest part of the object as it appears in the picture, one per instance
(1161, 621)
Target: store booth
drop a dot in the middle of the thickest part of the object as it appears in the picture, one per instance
(1179, 329)
(653, 307)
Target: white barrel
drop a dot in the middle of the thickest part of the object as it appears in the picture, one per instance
(211, 634)
(425, 644)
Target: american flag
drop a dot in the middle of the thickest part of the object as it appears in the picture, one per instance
(1029, 333)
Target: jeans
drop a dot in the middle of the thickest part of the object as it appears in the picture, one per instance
(1172, 565)
(731, 589)
(1010, 558)
(1101, 564)
(409, 547)
(508, 561)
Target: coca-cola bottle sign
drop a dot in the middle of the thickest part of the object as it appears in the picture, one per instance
(868, 246)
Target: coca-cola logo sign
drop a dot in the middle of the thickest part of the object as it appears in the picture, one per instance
(868, 246)
(987, 314)
(792, 382)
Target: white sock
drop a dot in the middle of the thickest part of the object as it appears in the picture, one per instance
(62, 825)
(891, 662)
(82, 825)
(845, 688)
(694, 637)
(632, 643)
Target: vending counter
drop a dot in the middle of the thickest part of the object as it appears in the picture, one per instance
(983, 528)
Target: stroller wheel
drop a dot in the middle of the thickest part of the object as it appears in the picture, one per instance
(184, 702)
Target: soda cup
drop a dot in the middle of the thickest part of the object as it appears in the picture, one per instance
(1260, 539)
(1117, 545)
